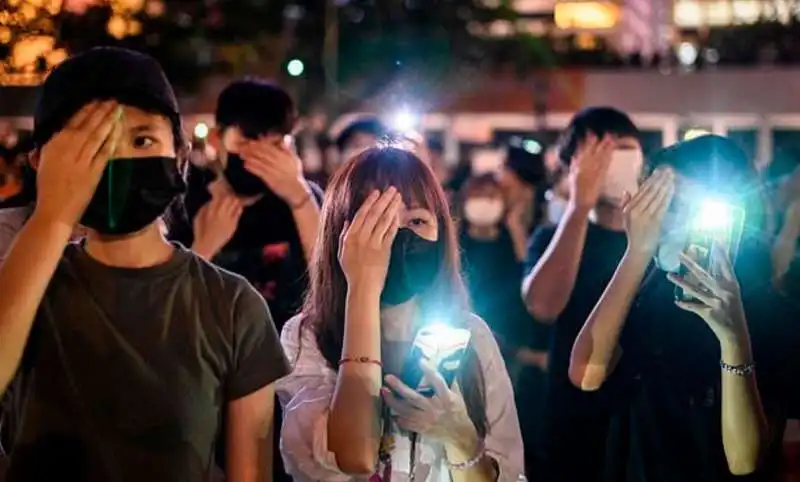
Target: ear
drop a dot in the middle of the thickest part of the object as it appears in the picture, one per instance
(214, 138)
(34, 158)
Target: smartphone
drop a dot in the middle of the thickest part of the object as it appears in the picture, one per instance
(713, 224)
(444, 347)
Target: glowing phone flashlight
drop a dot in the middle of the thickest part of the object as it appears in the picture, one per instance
(404, 120)
(443, 346)
(713, 223)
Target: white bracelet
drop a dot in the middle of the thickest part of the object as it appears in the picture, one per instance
(471, 462)
(738, 370)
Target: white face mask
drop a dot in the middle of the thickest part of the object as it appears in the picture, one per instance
(623, 174)
(482, 211)
(556, 207)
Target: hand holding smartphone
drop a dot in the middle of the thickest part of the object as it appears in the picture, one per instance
(442, 347)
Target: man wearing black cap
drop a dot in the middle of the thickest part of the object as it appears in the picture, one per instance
(121, 353)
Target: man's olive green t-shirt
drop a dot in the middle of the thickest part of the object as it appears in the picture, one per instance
(127, 371)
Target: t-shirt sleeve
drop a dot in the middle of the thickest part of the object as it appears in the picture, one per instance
(316, 192)
(258, 358)
(537, 245)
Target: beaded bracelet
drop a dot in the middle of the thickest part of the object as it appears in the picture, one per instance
(360, 359)
(738, 370)
(471, 462)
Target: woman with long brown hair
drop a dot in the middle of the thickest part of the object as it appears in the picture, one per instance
(387, 263)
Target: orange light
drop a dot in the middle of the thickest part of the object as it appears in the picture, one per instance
(586, 15)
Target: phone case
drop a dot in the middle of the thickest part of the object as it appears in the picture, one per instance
(706, 233)
(444, 348)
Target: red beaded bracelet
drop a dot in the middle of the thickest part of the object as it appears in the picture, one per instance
(360, 359)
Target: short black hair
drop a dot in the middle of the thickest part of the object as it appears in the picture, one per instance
(364, 125)
(599, 121)
(256, 107)
(713, 160)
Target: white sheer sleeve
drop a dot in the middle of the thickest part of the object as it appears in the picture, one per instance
(504, 440)
(305, 395)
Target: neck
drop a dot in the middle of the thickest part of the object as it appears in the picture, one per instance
(140, 250)
(609, 217)
(483, 232)
(397, 321)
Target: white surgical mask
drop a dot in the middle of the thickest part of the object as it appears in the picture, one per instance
(623, 174)
(556, 207)
(482, 211)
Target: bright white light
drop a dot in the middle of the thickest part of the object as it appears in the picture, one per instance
(694, 134)
(532, 146)
(404, 120)
(687, 54)
(714, 215)
(201, 130)
(295, 67)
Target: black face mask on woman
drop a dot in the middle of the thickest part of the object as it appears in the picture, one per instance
(414, 264)
(132, 194)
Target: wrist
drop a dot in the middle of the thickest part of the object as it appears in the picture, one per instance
(462, 445)
(636, 258)
(204, 249)
(298, 195)
(53, 222)
(363, 289)
(579, 208)
(735, 349)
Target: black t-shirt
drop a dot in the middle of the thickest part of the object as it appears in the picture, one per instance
(127, 371)
(671, 429)
(265, 249)
(576, 422)
(493, 275)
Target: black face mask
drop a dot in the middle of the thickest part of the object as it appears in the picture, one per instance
(133, 193)
(413, 267)
(242, 181)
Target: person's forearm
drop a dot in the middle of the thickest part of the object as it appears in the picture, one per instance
(306, 218)
(548, 288)
(354, 423)
(596, 347)
(464, 447)
(784, 249)
(519, 241)
(24, 277)
(744, 424)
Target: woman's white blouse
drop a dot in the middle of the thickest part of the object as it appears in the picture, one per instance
(306, 395)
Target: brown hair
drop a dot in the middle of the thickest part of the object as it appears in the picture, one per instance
(324, 310)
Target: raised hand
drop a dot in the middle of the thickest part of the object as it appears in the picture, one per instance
(72, 162)
(717, 298)
(644, 212)
(366, 242)
(588, 170)
(216, 222)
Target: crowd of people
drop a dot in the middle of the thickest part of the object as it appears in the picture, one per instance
(244, 317)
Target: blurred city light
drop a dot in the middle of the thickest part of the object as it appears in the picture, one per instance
(404, 120)
(695, 133)
(201, 130)
(295, 67)
(586, 15)
(687, 54)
